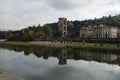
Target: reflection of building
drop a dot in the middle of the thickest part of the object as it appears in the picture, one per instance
(63, 26)
(63, 57)
(102, 56)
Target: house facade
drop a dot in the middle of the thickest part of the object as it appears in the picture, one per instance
(83, 32)
(89, 32)
(109, 32)
(101, 31)
(118, 34)
(98, 31)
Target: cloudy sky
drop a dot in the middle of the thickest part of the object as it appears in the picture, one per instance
(17, 14)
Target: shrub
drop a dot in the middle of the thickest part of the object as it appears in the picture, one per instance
(64, 41)
(70, 41)
(61, 41)
(52, 41)
(101, 44)
(55, 41)
(95, 44)
(83, 42)
(118, 45)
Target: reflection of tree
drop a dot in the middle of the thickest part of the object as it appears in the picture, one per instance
(28, 51)
(38, 51)
(64, 54)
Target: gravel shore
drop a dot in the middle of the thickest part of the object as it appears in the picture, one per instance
(4, 75)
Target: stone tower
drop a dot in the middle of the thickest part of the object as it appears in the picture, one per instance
(63, 27)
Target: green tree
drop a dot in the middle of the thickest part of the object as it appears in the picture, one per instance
(10, 35)
(47, 30)
(70, 25)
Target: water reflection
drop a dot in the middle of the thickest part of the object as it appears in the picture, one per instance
(41, 63)
(63, 54)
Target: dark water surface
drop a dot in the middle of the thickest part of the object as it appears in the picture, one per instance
(48, 63)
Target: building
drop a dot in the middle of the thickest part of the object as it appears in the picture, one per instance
(86, 32)
(101, 31)
(89, 32)
(83, 32)
(63, 26)
(118, 33)
(109, 32)
(97, 31)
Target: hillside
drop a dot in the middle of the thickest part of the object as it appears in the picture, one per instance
(74, 31)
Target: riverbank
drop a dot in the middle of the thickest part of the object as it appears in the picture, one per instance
(78, 45)
(4, 75)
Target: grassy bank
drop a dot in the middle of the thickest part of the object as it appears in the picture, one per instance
(85, 46)
(15, 43)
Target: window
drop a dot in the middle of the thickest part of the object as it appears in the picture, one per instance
(65, 22)
(64, 27)
(83, 36)
(64, 34)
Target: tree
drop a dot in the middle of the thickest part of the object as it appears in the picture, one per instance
(70, 25)
(47, 30)
(10, 36)
(31, 34)
(40, 34)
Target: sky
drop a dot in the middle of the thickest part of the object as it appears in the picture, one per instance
(18, 14)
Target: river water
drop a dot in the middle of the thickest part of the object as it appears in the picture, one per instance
(49, 63)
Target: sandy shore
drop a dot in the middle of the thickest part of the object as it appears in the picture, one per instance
(4, 75)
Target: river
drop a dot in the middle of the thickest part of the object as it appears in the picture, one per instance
(49, 63)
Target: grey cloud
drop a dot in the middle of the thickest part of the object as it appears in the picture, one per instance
(62, 4)
(22, 13)
(68, 4)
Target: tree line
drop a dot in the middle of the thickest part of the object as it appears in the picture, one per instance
(27, 34)
(51, 29)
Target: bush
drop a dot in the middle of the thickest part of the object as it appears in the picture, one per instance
(70, 41)
(101, 44)
(118, 45)
(95, 44)
(64, 41)
(61, 41)
(55, 41)
(52, 41)
(83, 42)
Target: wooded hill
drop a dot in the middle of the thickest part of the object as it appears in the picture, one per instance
(74, 26)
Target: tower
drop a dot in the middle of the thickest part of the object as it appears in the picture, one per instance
(63, 27)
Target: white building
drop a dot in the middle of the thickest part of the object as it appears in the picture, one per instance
(89, 32)
(118, 34)
(109, 32)
(101, 31)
